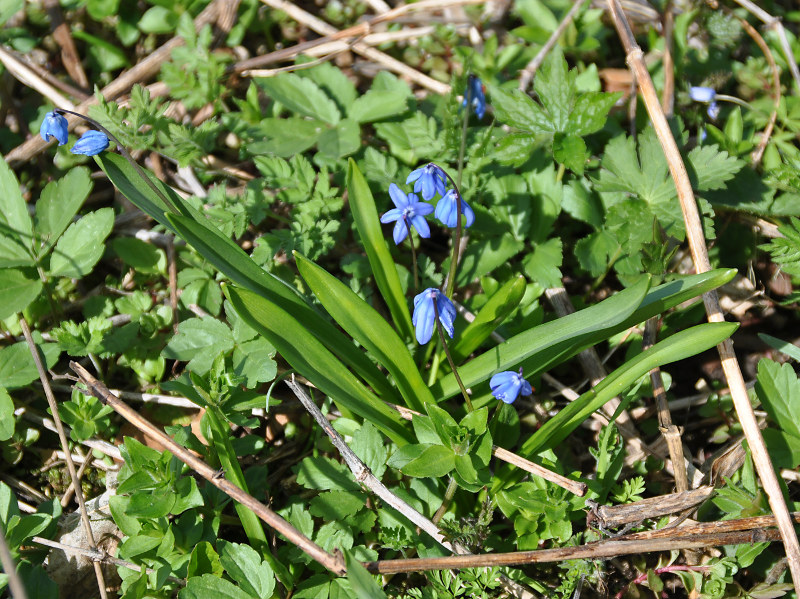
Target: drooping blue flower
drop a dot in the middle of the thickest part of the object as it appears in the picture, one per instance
(430, 180)
(424, 316)
(702, 94)
(713, 111)
(506, 386)
(409, 212)
(477, 97)
(54, 125)
(91, 143)
(447, 210)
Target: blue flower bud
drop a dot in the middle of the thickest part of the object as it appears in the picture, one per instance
(91, 143)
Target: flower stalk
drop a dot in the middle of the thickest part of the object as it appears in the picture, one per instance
(450, 359)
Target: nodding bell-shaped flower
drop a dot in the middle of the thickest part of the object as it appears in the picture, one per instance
(506, 386)
(424, 316)
(54, 125)
(477, 97)
(447, 210)
(409, 212)
(91, 143)
(708, 96)
(429, 179)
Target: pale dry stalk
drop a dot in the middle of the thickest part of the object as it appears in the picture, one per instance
(697, 245)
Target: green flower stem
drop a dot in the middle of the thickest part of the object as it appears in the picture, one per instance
(450, 359)
(451, 276)
(125, 154)
(448, 498)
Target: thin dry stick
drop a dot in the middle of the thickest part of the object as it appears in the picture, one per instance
(530, 69)
(67, 497)
(62, 437)
(365, 477)
(323, 28)
(63, 36)
(694, 234)
(28, 77)
(670, 432)
(334, 563)
(575, 487)
(758, 153)
(99, 556)
(774, 23)
(10, 568)
(668, 95)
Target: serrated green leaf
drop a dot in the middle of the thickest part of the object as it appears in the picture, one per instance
(18, 289)
(324, 474)
(778, 389)
(334, 82)
(17, 368)
(423, 460)
(555, 86)
(342, 140)
(244, 565)
(711, 167)
(81, 246)
(570, 150)
(590, 112)
(301, 95)
(366, 326)
(544, 263)
(368, 445)
(254, 361)
(377, 105)
(199, 341)
(209, 586)
(515, 108)
(14, 219)
(204, 560)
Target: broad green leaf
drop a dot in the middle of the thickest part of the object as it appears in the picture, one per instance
(443, 423)
(18, 288)
(377, 105)
(209, 586)
(286, 137)
(361, 581)
(482, 257)
(368, 445)
(334, 82)
(555, 86)
(544, 263)
(778, 389)
(679, 346)
(340, 141)
(17, 368)
(488, 318)
(590, 112)
(324, 474)
(254, 361)
(384, 270)
(7, 420)
(570, 150)
(204, 560)
(336, 505)
(423, 460)
(14, 219)
(199, 341)
(712, 168)
(301, 95)
(12, 252)
(301, 348)
(141, 256)
(244, 565)
(82, 245)
(231, 261)
(369, 328)
(59, 203)
(517, 109)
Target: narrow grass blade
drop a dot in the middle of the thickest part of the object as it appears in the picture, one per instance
(308, 356)
(366, 219)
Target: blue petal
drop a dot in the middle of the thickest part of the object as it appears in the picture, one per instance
(445, 212)
(54, 125)
(702, 94)
(424, 316)
(400, 231)
(447, 313)
(468, 213)
(91, 143)
(415, 174)
(392, 215)
(422, 208)
(398, 196)
(421, 225)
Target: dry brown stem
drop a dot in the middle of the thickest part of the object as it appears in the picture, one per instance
(334, 563)
(62, 437)
(694, 234)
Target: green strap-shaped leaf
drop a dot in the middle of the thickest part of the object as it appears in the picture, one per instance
(548, 339)
(235, 264)
(679, 346)
(488, 318)
(366, 219)
(308, 356)
(366, 326)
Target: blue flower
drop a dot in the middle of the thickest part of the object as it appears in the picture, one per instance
(506, 386)
(91, 143)
(54, 125)
(447, 210)
(702, 94)
(477, 98)
(425, 316)
(409, 212)
(713, 111)
(430, 180)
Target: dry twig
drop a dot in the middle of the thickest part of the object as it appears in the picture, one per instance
(694, 234)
